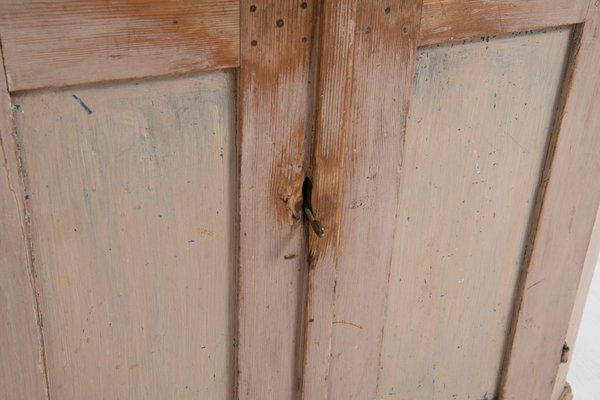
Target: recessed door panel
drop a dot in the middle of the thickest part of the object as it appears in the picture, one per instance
(130, 191)
(480, 120)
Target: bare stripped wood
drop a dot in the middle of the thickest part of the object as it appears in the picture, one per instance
(366, 66)
(66, 42)
(447, 20)
(480, 118)
(275, 122)
(76, 41)
(587, 274)
(131, 193)
(563, 233)
(567, 393)
(22, 367)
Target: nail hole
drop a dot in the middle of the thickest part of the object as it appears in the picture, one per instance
(303, 5)
(304, 39)
(387, 10)
(279, 23)
(405, 29)
(368, 30)
(253, 43)
(252, 8)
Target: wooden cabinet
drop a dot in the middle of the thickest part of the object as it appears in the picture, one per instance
(155, 243)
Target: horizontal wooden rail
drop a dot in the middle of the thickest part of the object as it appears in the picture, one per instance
(449, 20)
(68, 42)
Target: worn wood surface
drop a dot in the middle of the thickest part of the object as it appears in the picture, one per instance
(275, 125)
(566, 393)
(581, 302)
(447, 20)
(477, 134)
(22, 367)
(563, 232)
(131, 195)
(365, 71)
(73, 41)
(66, 42)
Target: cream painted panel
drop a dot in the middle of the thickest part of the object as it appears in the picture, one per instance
(477, 135)
(131, 196)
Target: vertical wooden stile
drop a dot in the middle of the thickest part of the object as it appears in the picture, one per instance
(366, 64)
(275, 123)
(587, 274)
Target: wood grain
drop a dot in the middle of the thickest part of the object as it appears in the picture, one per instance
(275, 125)
(22, 365)
(67, 42)
(50, 44)
(570, 202)
(366, 66)
(448, 20)
(478, 129)
(131, 200)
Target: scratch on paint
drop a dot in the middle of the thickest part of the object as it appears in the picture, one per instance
(82, 104)
(348, 323)
(534, 284)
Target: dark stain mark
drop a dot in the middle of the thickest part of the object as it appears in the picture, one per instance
(279, 23)
(289, 256)
(387, 10)
(253, 43)
(368, 30)
(571, 219)
(82, 104)
(303, 5)
(564, 355)
(252, 8)
(191, 241)
(175, 22)
(312, 256)
(304, 39)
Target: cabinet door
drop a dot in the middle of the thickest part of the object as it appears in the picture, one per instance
(455, 169)
(155, 156)
(118, 239)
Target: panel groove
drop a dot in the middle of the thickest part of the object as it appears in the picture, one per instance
(12, 175)
(570, 68)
